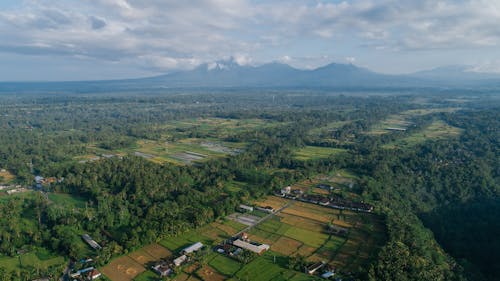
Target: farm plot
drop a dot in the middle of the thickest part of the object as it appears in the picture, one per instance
(244, 218)
(142, 257)
(219, 128)
(225, 265)
(316, 152)
(272, 201)
(402, 120)
(6, 177)
(122, 269)
(436, 130)
(207, 273)
(157, 251)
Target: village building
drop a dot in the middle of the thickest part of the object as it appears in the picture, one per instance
(91, 242)
(315, 267)
(193, 248)
(162, 269)
(286, 190)
(267, 209)
(180, 260)
(246, 208)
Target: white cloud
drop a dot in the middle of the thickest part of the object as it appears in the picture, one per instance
(180, 34)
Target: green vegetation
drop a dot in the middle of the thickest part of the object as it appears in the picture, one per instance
(225, 265)
(316, 152)
(122, 156)
(435, 131)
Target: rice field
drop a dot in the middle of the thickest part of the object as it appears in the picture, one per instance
(436, 130)
(316, 152)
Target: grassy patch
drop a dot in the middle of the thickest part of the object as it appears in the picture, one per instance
(316, 152)
(147, 276)
(225, 265)
(311, 238)
(67, 200)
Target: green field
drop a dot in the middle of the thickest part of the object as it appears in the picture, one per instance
(310, 238)
(39, 258)
(225, 265)
(67, 200)
(436, 130)
(147, 275)
(271, 266)
(403, 120)
(315, 152)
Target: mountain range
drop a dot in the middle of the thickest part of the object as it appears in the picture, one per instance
(229, 74)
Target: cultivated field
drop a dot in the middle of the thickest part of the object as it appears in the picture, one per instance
(187, 141)
(316, 152)
(123, 269)
(299, 229)
(403, 119)
(436, 130)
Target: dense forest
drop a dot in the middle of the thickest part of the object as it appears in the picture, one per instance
(439, 196)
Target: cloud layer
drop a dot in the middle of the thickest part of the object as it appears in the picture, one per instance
(166, 35)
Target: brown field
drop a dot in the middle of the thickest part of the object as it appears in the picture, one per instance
(306, 250)
(209, 274)
(273, 201)
(301, 222)
(321, 191)
(315, 258)
(212, 232)
(306, 213)
(192, 268)
(142, 257)
(286, 246)
(157, 251)
(181, 277)
(259, 239)
(225, 228)
(7, 176)
(122, 269)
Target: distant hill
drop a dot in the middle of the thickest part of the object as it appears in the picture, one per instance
(229, 74)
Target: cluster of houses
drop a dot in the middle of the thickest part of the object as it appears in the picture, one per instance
(41, 181)
(328, 201)
(165, 268)
(11, 189)
(235, 246)
(321, 268)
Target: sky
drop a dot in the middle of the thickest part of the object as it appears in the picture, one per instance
(60, 40)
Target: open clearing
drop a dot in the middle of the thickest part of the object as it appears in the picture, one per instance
(316, 152)
(436, 130)
(6, 177)
(39, 258)
(403, 119)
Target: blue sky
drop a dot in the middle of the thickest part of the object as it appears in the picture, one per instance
(109, 39)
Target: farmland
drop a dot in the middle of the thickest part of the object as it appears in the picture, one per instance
(316, 152)
(187, 141)
(300, 229)
(403, 120)
(438, 129)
